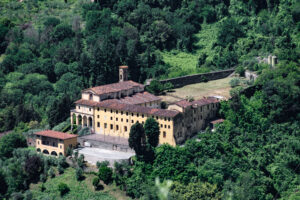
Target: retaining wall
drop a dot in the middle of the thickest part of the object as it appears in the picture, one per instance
(197, 78)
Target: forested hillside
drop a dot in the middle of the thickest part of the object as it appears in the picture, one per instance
(50, 50)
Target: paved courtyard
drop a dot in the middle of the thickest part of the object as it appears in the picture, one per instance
(92, 155)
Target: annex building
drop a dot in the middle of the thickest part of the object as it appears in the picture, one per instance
(112, 109)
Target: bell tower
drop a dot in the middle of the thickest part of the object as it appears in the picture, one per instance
(123, 73)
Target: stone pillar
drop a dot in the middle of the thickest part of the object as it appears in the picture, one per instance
(270, 59)
(274, 61)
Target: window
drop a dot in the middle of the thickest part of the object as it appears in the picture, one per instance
(38, 142)
(194, 119)
(132, 121)
(121, 119)
(213, 105)
(104, 110)
(169, 119)
(111, 127)
(165, 119)
(78, 107)
(121, 112)
(117, 112)
(161, 125)
(207, 106)
(98, 124)
(60, 146)
(169, 127)
(137, 114)
(125, 128)
(126, 120)
(165, 126)
(164, 134)
(110, 111)
(91, 97)
(117, 127)
(156, 117)
(201, 116)
(142, 116)
(127, 113)
(116, 119)
(98, 116)
(98, 108)
(90, 109)
(105, 125)
(131, 114)
(111, 118)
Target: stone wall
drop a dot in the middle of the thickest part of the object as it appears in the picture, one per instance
(197, 78)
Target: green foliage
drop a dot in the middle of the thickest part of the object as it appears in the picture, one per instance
(155, 87)
(96, 182)
(51, 173)
(137, 139)
(240, 70)
(63, 189)
(10, 142)
(234, 82)
(152, 131)
(79, 174)
(4, 185)
(105, 174)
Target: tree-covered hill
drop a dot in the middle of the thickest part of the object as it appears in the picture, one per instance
(50, 50)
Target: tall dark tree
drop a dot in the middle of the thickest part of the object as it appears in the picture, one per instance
(152, 131)
(137, 139)
(4, 186)
(33, 167)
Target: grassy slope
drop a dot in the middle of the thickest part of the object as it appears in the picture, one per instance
(187, 61)
(78, 190)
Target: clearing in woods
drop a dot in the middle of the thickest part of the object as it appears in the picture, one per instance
(218, 87)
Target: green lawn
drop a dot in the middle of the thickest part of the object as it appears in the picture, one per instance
(218, 87)
(187, 61)
(79, 190)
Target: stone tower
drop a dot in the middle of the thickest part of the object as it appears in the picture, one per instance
(123, 73)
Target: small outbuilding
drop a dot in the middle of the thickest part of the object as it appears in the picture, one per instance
(54, 143)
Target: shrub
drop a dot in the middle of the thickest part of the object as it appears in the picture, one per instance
(163, 105)
(80, 161)
(102, 164)
(168, 86)
(155, 87)
(240, 70)
(43, 178)
(79, 174)
(96, 181)
(69, 151)
(60, 169)
(234, 82)
(63, 189)
(51, 173)
(42, 187)
(105, 174)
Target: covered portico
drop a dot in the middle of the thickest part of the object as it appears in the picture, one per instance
(82, 119)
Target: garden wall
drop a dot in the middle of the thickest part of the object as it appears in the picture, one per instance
(197, 78)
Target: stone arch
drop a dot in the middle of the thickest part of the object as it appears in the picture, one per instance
(90, 122)
(38, 150)
(74, 119)
(45, 151)
(84, 119)
(53, 153)
(79, 120)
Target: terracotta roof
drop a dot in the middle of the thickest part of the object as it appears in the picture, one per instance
(56, 134)
(116, 105)
(114, 87)
(123, 67)
(183, 103)
(139, 98)
(200, 102)
(217, 121)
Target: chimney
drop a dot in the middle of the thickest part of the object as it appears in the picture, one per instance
(123, 73)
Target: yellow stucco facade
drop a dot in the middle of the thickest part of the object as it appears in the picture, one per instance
(51, 145)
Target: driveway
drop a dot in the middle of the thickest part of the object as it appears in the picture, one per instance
(92, 155)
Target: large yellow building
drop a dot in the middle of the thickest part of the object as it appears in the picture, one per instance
(54, 142)
(112, 109)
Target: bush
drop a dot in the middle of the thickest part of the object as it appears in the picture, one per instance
(69, 151)
(63, 189)
(43, 178)
(234, 82)
(80, 161)
(168, 86)
(155, 87)
(60, 169)
(79, 174)
(51, 173)
(163, 105)
(105, 174)
(102, 164)
(240, 70)
(96, 181)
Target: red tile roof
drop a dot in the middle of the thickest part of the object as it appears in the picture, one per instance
(116, 105)
(115, 87)
(139, 98)
(217, 121)
(56, 134)
(123, 67)
(200, 102)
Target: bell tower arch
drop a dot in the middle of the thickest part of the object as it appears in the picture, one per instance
(123, 73)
